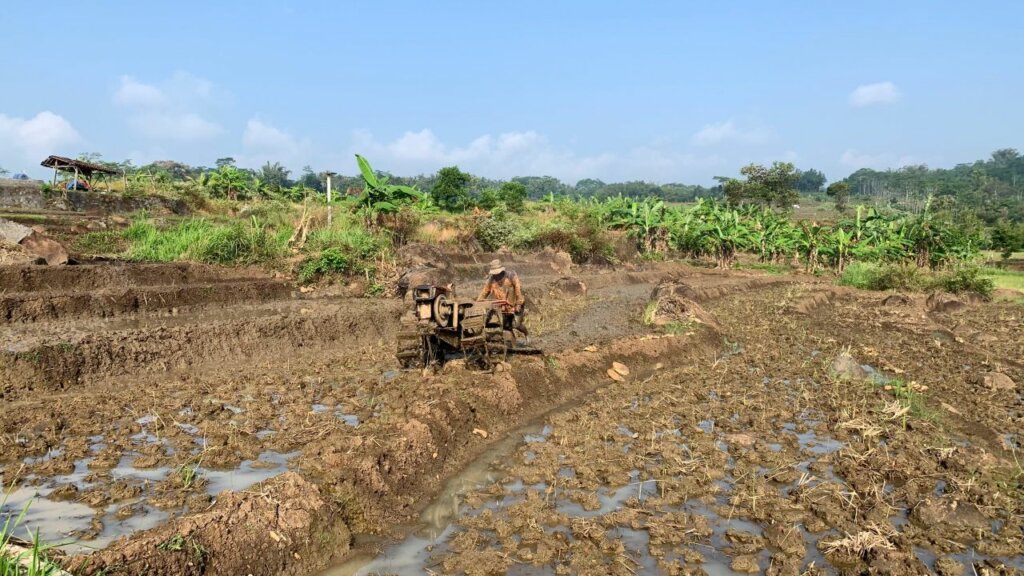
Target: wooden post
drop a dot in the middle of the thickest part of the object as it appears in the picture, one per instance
(124, 178)
(106, 178)
(54, 175)
(76, 178)
(328, 199)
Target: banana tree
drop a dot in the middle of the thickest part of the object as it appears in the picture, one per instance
(728, 233)
(645, 222)
(227, 181)
(809, 243)
(379, 197)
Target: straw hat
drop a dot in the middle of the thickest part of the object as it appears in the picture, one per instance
(496, 267)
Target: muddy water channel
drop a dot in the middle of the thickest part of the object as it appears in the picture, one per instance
(722, 468)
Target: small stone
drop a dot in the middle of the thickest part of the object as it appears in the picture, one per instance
(949, 567)
(621, 368)
(746, 564)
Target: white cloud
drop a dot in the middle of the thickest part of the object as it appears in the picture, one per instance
(135, 93)
(177, 126)
(31, 140)
(262, 142)
(728, 131)
(167, 111)
(528, 153)
(878, 93)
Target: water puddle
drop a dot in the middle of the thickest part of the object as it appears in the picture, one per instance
(339, 413)
(268, 465)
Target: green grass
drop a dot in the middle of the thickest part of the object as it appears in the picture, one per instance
(908, 277)
(105, 242)
(204, 241)
(1005, 278)
(768, 267)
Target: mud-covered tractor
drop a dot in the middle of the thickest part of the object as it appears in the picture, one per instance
(439, 327)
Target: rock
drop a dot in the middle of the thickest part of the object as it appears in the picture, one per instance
(943, 302)
(897, 300)
(846, 368)
(997, 381)
(119, 220)
(33, 242)
(621, 368)
(559, 261)
(948, 514)
(569, 287)
(64, 492)
(745, 440)
(615, 375)
(42, 247)
(947, 566)
(746, 564)
(670, 306)
(12, 232)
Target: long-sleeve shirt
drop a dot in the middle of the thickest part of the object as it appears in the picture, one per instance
(505, 287)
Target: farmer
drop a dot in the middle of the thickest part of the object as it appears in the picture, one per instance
(504, 285)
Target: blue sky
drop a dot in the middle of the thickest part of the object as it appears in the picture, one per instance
(662, 91)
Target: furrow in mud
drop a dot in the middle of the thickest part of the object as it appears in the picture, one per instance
(50, 305)
(50, 363)
(30, 278)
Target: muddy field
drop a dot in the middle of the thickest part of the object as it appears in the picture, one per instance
(185, 419)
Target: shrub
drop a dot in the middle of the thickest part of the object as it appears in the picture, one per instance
(871, 276)
(330, 261)
(497, 231)
(965, 278)
(200, 240)
(240, 243)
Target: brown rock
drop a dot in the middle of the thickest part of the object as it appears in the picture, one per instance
(943, 302)
(949, 567)
(559, 261)
(897, 300)
(50, 250)
(844, 367)
(746, 564)
(997, 381)
(745, 440)
(569, 287)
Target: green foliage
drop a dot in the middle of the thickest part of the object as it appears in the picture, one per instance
(840, 191)
(773, 186)
(203, 241)
(450, 189)
(241, 244)
(103, 242)
(498, 230)
(227, 181)
(965, 278)
(958, 280)
(379, 197)
(345, 248)
(330, 261)
(872, 276)
(809, 181)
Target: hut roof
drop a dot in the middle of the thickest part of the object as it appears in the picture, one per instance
(87, 168)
